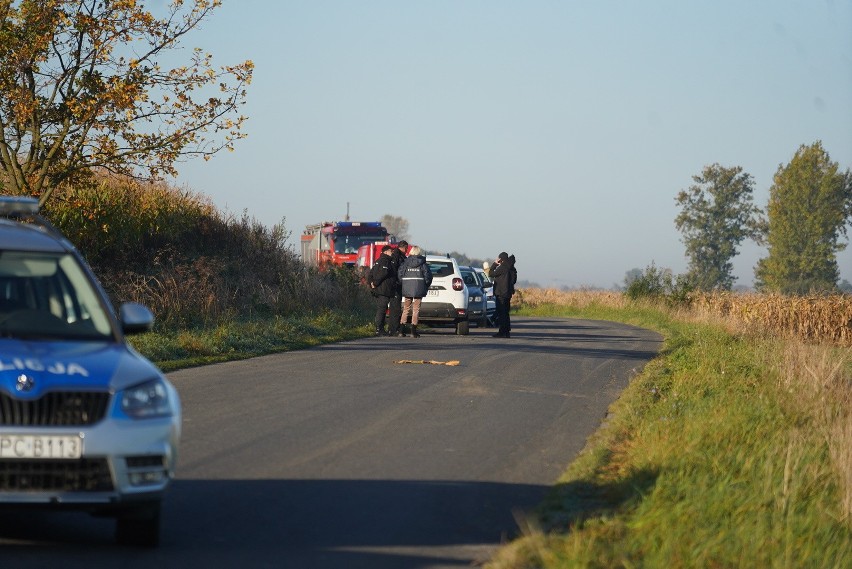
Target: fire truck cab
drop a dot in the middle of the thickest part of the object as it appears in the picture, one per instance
(337, 242)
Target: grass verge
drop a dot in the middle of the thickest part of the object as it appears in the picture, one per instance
(236, 340)
(727, 451)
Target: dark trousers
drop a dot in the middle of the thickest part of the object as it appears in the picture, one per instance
(394, 313)
(381, 309)
(503, 323)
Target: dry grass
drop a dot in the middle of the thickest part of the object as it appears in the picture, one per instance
(809, 318)
(819, 319)
(193, 265)
(817, 377)
(583, 298)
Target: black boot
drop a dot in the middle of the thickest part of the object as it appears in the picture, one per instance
(401, 332)
(414, 333)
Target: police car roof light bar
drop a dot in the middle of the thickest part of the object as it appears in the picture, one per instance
(25, 208)
(358, 224)
(18, 205)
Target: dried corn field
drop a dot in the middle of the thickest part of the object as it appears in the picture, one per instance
(536, 297)
(809, 318)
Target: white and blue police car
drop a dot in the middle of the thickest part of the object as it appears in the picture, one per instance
(86, 422)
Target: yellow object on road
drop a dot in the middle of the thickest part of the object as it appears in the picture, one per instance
(449, 363)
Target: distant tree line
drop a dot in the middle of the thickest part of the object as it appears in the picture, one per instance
(802, 227)
(809, 209)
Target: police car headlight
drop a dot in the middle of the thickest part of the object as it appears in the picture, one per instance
(146, 400)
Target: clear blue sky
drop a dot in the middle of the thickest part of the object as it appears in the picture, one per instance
(560, 131)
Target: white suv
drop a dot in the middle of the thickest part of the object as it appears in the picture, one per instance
(446, 301)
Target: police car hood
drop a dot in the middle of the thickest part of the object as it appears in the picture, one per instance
(32, 368)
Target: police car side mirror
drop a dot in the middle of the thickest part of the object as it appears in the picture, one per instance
(135, 318)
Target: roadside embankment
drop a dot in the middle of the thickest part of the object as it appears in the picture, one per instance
(732, 449)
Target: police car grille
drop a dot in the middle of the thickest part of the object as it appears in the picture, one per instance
(61, 409)
(84, 475)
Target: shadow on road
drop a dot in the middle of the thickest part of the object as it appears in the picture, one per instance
(529, 335)
(286, 523)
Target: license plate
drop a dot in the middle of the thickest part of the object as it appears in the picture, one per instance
(431, 292)
(41, 446)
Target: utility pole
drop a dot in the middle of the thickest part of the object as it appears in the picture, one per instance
(347, 212)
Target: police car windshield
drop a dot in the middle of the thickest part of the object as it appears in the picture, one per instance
(49, 295)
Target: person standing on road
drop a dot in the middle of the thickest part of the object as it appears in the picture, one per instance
(395, 311)
(415, 278)
(383, 285)
(504, 275)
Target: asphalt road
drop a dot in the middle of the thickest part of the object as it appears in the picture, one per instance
(339, 457)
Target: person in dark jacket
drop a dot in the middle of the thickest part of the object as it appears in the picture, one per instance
(504, 275)
(383, 285)
(414, 278)
(395, 310)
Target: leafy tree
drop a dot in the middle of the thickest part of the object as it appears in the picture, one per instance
(397, 226)
(810, 203)
(632, 275)
(661, 284)
(83, 86)
(717, 214)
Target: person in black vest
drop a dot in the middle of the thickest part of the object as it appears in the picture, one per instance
(504, 275)
(383, 285)
(395, 310)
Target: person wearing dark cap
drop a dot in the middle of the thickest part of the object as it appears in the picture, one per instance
(395, 310)
(383, 285)
(504, 275)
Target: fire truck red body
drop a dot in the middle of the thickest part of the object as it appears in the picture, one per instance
(337, 242)
(368, 254)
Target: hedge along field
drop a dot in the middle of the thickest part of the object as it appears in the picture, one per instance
(193, 265)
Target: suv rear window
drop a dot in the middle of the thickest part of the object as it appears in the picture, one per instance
(470, 278)
(441, 268)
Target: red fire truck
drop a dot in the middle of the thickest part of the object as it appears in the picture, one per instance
(337, 242)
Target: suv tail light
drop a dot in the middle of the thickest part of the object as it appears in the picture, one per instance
(458, 284)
